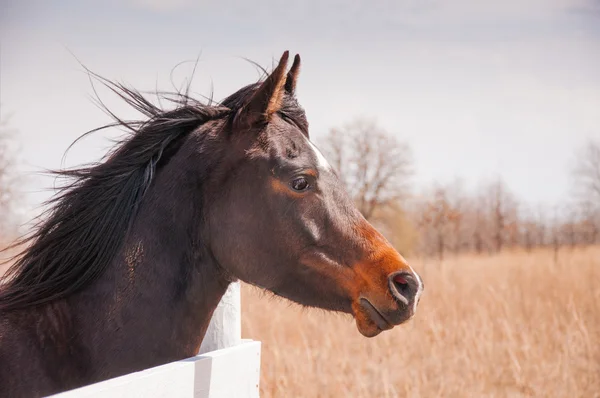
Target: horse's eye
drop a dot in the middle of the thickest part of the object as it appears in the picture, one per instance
(300, 184)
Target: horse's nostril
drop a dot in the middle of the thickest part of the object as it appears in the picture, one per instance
(404, 286)
(400, 280)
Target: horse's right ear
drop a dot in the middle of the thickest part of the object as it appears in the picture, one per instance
(292, 76)
(267, 99)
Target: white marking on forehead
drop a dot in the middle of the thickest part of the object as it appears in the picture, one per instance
(321, 161)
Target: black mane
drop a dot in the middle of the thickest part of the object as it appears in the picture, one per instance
(88, 219)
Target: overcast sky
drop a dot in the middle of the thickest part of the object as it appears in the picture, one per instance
(478, 88)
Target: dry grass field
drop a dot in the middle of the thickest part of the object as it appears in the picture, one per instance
(511, 325)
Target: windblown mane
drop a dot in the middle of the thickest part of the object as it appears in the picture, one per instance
(88, 219)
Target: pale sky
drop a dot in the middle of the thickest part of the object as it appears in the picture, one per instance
(477, 88)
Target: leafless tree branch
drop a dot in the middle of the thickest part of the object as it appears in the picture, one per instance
(374, 165)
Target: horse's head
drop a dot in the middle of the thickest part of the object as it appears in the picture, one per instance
(286, 223)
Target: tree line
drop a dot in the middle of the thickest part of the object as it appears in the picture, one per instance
(444, 219)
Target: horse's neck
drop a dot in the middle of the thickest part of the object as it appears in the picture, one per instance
(154, 303)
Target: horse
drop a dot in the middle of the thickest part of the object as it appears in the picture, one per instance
(134, 253)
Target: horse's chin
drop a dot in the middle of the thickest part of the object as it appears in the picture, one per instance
(368, 330)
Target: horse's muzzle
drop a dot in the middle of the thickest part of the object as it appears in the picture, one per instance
(374, 316)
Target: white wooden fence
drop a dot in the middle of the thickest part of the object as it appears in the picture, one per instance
(226, 365)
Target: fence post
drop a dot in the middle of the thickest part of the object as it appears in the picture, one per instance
(225, 328)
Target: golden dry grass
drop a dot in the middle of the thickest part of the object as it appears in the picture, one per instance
(511, 325)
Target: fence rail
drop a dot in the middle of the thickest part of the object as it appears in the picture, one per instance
(229, 372)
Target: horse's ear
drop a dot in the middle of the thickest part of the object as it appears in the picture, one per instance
(267, 99)
(292, 76)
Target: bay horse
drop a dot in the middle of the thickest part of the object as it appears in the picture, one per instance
(134, 253)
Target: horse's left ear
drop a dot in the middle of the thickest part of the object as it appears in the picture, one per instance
(267, 99)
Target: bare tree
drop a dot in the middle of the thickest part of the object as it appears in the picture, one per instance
(478, 223)
(374, 165)
(503, 214)
(542, 226)
(533, 228)
(590, 222)
(569, 228)
(587, 171)
(7, 180)
(586, 175)
(441, 220)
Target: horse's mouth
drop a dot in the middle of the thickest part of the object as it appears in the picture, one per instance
(377, 317)
(369, 320)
